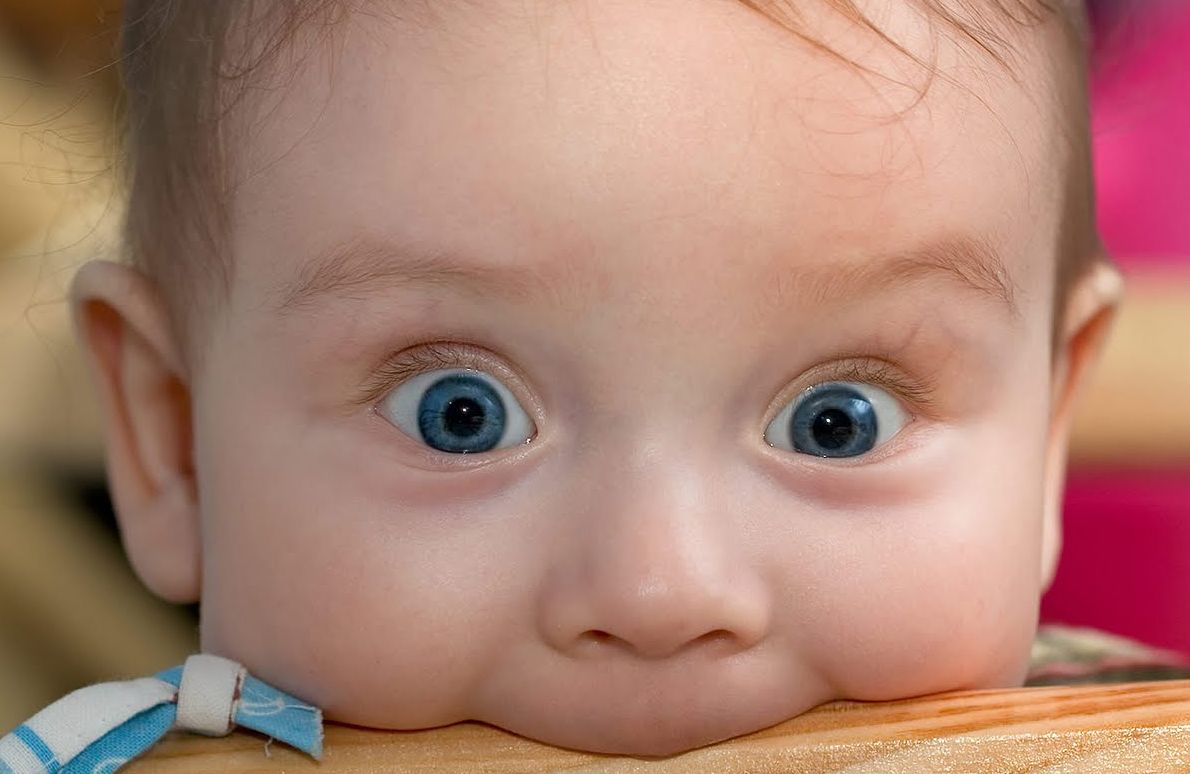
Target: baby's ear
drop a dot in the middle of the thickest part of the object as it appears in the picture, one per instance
(1090, 309)
(135, 362)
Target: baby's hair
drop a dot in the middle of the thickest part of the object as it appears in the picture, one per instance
(182, 84)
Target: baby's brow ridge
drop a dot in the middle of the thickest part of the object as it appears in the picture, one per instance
(361, 267)
(971, 262)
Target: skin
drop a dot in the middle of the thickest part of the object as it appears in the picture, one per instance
(674, 207)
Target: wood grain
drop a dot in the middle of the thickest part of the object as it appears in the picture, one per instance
(1142, 727)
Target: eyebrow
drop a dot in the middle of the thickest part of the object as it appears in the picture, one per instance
(359, 267)
(970, 262)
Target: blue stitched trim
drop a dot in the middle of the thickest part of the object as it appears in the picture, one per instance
(39, 748)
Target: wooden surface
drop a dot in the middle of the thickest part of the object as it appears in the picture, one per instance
(1143, 727)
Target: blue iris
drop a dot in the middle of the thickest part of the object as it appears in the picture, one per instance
(461, 414)
(833, 421)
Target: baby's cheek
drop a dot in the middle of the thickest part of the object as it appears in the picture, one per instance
(340, 602)
(945, 600)
(939, 636)
(324, 577)
(933, 593)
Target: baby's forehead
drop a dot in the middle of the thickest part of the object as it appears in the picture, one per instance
(643, 125)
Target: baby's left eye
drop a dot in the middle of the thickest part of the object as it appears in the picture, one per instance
(837, 419)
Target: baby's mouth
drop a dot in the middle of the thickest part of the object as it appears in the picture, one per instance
(652, 733)
(666, 715)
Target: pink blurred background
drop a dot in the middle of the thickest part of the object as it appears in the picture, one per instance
(1126, 560)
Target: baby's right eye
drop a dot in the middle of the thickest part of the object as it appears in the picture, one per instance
(458, 411)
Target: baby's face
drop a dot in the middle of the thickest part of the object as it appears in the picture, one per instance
(629, 375)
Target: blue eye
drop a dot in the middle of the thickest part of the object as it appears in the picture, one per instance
(837, 419)
(458, 411)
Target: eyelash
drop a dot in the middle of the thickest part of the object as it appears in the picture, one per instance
(877, 371)
(411, 362)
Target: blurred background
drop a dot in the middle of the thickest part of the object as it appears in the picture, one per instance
(71, 611)
(1125, 563)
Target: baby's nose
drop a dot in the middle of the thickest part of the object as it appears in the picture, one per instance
(656, 621)
(653, 577)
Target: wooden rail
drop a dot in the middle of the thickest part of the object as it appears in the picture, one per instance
(1140, 727)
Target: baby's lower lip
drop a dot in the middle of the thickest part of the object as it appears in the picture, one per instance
(646, 731)
(650, 713)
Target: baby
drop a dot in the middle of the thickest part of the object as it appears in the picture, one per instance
(627, 375)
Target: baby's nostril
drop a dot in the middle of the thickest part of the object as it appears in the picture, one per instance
(716, 638)
(598, 635)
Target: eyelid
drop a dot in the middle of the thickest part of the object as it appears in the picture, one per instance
(401, 366)
(917, 395)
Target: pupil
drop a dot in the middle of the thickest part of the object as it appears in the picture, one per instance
(833, 429)
(463, 417)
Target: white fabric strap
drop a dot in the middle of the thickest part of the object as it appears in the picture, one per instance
(18, 757)
(207, 695)
(75, 721)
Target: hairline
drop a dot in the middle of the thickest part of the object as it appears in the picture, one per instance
(189, 287)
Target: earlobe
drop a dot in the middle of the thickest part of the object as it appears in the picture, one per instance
(1082, 332)
(136, 365)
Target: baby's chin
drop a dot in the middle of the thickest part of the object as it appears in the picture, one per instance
(640, 729)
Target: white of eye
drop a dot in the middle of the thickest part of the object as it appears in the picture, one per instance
(402, 405)
(889, 415)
